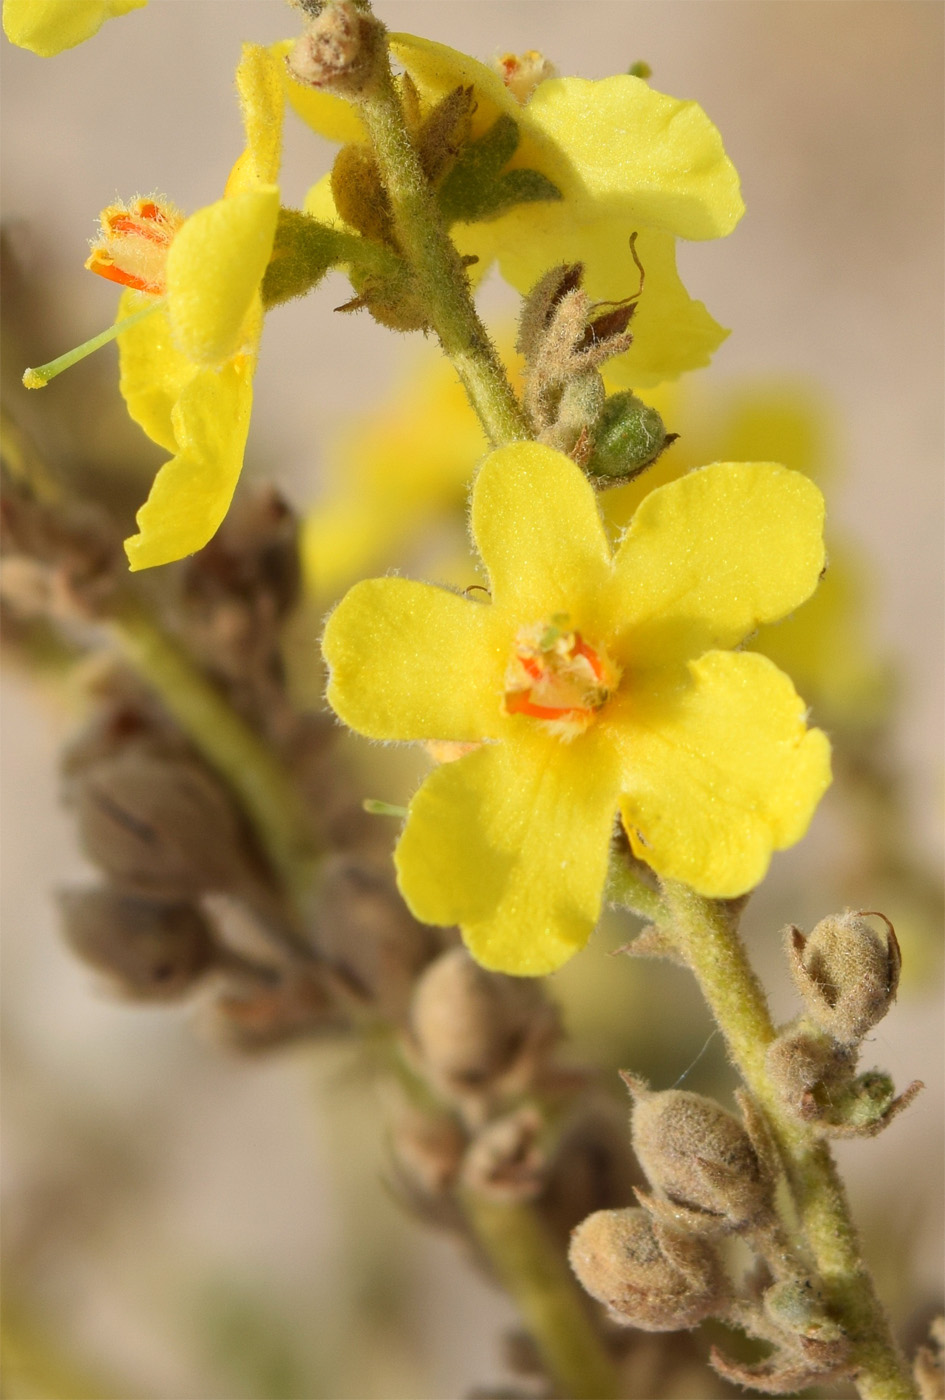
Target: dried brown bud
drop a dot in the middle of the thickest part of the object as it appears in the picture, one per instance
(340, 51)
(506, 1161)
(592, 1169)
(847, 971)
(647, 1275)
(150, 950)
(161, 826)
(700, 1157)
(428, 1151)
(478, 1031)
(260, 1013)
(815, 1077)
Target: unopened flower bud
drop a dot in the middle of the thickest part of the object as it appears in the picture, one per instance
(700, 1157)
(628, 436)
(473, 1028)
(151, 950)
(506, 1161)
(160, 826)
(340, 50)
(847, 971)
(797, 1306)
(647, 1275)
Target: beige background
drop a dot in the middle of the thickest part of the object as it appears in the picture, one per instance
(144, 1164)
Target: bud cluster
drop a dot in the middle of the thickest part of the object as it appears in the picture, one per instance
(565, 339)
(847, 972)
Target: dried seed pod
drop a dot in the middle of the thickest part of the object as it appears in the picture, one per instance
(700, 1157)
(847, 971)
(152, 951)
(366, 931)
(647, 1275)
(505, 1161)
(428, 1150)
(476, 1029)
(340, 51)
(161, 826)
(816, 1079)
(261, 1013)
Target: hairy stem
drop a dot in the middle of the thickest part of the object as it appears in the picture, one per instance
(535, 1273)
(427, 247)
(266, 791)
(705, 935)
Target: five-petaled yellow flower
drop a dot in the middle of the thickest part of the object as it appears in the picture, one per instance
(591, 682)
(187, 369)
(625, 159)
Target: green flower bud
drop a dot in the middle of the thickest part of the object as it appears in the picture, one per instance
(847, 971)
(700, 1157)
(647, 1275)
(628, 436)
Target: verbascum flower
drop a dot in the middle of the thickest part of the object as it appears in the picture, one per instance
(591, 682)
(46, 27)
(187, 369)
(622, 158)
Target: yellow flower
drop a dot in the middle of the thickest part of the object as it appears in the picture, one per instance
(624, 158)
(591, 682)
(187, 369)
(46, 27)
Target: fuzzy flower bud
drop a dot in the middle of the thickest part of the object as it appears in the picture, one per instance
(847, 971)
(647, 1275)
(700, 1157)
(340, 50)
(628, 436)
(473, 1028)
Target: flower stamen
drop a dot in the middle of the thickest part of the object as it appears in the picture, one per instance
(557, 677)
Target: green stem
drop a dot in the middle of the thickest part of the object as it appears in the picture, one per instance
(264, 788)
(628, 889)
(426, 245)
(704, 934)
(535, 1273)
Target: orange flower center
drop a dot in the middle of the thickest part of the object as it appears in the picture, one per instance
(557, 677)
(522, 72)
(133, 244)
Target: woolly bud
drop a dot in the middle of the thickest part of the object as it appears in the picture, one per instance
(151, 951)
(647, 1275)
(628, 436)
(847, 971)
(473, 1027)
(700, 1157)
(340, 51)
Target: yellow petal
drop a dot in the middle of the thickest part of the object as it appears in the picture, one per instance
(261, 83)
(719, 771)
(709, 557)
(652, 160)
(153, 371)
(411, 661)
(46, 27)
(214, 269)
(192, 492)
(512, 843)
(538, 529)
(327, 115)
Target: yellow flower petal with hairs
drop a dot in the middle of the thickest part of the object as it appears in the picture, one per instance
(46, 27)
(589, 681)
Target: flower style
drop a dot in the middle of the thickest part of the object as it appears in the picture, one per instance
(47, 27)
(624, 158)
(187, 369)
(591, 683)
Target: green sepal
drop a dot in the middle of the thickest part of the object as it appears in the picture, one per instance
(475, 188)
(303, 252)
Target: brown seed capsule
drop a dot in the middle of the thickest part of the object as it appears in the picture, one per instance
(151, 950)
(161, 826)
(847, 971)
(505, 1161)
(699, 1156)
(647, 1275)
(474, 1028)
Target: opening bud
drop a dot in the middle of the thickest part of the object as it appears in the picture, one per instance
(847, 971)
(647, 1275)
(699, 1156)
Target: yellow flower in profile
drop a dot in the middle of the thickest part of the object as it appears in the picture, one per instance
(46, 27)
(623, 158)
(591, 682)
(187, 369)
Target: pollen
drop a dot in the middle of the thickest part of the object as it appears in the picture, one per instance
(522, 73)
(133, 244)
(557, 677)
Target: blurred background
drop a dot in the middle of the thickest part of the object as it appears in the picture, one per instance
(181, 1225)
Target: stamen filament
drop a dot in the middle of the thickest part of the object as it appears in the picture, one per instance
(40, 377)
